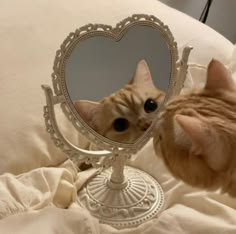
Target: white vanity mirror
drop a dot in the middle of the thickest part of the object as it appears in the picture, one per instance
(112, 83)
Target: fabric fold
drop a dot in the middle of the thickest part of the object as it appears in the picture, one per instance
(37, 189)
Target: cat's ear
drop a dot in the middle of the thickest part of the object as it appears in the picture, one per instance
(88, 111)
(204, 141)
(142, 74)
(218, 77)
(196, 131)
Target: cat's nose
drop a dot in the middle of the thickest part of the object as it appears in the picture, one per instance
(143, 125)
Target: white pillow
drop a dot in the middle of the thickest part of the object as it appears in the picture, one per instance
(30, 34)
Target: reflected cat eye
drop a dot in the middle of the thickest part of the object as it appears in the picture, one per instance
(120, 124)
(150, 105)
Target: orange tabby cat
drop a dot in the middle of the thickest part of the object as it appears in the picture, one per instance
(127, 113)
(196, 133)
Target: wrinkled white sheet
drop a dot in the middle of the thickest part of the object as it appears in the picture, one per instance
(38, 188)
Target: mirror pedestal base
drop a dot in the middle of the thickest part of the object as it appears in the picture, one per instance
(126, 206)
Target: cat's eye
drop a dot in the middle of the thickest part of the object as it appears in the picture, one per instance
(150, 105)
(120, 124)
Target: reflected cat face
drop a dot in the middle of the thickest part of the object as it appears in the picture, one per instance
(126, 114)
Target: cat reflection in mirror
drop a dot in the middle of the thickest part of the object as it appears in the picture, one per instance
(196, 133)
(127, 113)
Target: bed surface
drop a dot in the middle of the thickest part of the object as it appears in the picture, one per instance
(37, 182)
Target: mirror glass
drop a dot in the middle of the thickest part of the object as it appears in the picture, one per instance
(117, 86)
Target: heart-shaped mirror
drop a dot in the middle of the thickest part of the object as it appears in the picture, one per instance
(118, 84)
(112, 83)
(115, 79)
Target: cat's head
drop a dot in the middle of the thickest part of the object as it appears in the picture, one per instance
(126, 114)
(196, 132)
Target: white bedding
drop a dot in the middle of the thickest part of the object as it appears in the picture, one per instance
(35, 202)
(37, 186)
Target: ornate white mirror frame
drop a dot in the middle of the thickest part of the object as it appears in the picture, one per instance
(122, 196)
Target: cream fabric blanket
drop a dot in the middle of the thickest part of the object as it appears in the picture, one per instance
(44, 201)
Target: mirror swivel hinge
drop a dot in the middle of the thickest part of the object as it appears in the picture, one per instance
(58, 99)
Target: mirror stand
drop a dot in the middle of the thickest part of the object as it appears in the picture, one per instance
(121, 196)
